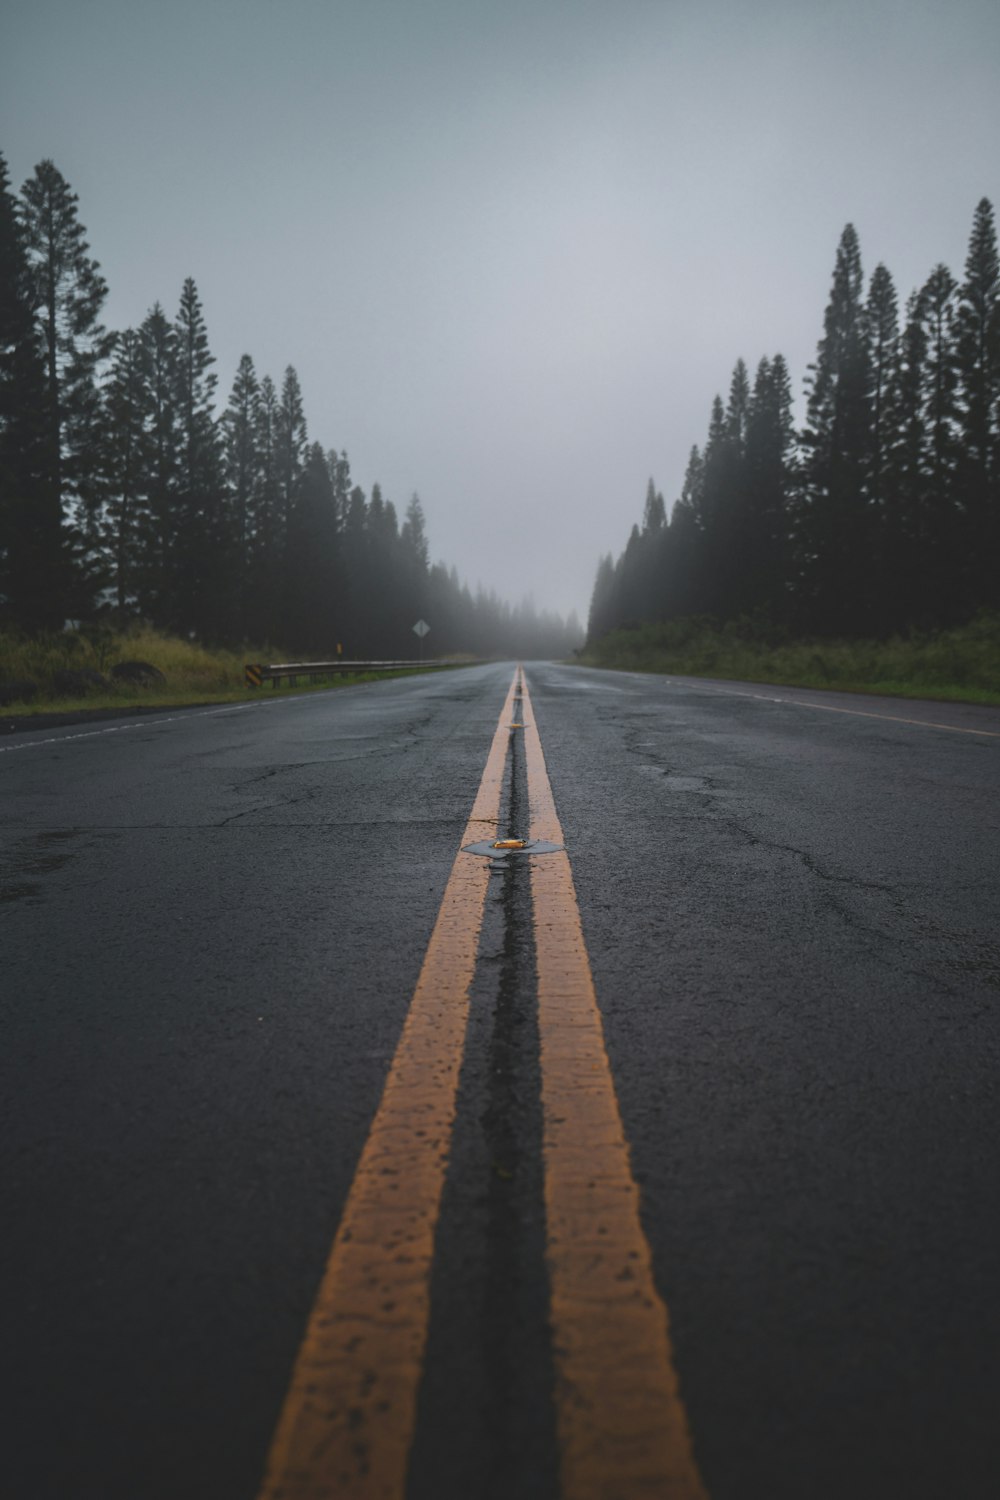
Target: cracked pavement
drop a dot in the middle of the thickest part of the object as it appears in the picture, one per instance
(211, 927)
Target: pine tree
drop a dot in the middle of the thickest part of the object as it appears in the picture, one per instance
(716, 561)
(158, 523)
(69, 292)
(414, 536)
(764, 579)
(264, 572)
(291, 441)
(242, 423)
(32, 585)
(682, 583)
(943, 562)
(340, 477)
(203, 584)
(385, 564)
(647, 599)
(904, 479)
(977, 350)
(127, 466)
(313, 622)
(882, 333)
(654, 515)
(361, 586)
(737, 409)
(413, 564)
(628, 580)
(836, 533)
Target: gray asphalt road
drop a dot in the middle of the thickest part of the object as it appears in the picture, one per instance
(211, 927)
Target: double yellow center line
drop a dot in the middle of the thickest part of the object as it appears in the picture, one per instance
(348, 1420)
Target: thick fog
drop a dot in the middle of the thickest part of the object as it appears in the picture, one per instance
(512, 249)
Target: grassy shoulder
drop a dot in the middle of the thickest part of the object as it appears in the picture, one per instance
(961, 665)
(102, 670)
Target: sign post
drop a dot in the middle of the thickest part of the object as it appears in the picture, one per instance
(420, 629)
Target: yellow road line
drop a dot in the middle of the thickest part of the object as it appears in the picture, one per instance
(622, 1428)
(347, 1424)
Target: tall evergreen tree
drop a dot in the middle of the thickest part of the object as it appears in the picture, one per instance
(942, 563)
(654, 515)
(647, 599)
(882, 332)
(764, 580)
(977, 351)
(358, 583)
(203, 583)
(339, 467)
(158, 522)
(32, 586)
(682, 588)
(265, 573)
(738, 409)
(127, 470)
(904, 479)
(414, 563)
(69, 293)
(313, 559)
(937, 301)
(241, 423)
(715, 560)
(291, 441)
(836, 535)
(413, 535)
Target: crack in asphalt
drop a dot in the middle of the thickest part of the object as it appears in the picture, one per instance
(866, 926)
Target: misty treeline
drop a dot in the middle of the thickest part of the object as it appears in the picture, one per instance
(882, 514)
(125, 495)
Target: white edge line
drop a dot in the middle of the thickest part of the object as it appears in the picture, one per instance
(828, 708)
(142, 722)
(138, 723)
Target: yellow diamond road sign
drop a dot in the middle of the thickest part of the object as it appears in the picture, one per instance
(421, 628)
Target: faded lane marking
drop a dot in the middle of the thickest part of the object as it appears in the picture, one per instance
(862, 713)
(622, 1428)
(347, 1424)
(834, 708)
(138, 723)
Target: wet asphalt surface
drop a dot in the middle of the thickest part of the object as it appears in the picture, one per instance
(210, 928)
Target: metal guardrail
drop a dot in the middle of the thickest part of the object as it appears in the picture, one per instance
(257, 673)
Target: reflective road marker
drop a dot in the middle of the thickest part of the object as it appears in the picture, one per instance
(622, 1427)
(347, 1423)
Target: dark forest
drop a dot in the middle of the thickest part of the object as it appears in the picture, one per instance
(881, 515)
(126, 496)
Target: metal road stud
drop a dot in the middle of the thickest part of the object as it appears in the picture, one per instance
(509, 843)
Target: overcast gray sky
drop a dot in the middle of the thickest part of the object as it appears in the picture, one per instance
(512, 247)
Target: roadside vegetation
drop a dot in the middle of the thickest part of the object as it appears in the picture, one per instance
(127, 495)
(863, 544)
(99, 668)
(960, 665)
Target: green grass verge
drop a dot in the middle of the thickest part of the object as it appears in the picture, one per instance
(961, 665)
(192, 674)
